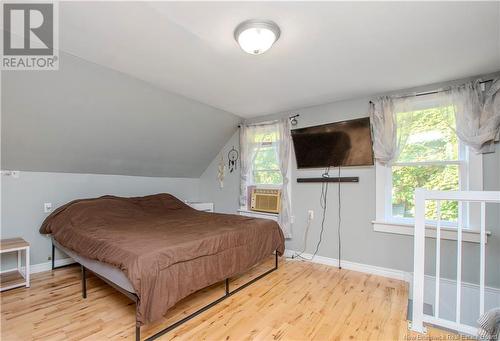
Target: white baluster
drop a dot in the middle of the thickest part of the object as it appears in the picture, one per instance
(438, 256)
(418, 262)
(459, 263)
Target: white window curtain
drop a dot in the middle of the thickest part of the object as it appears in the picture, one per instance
(245, 164)
(251, 138)
(477, 114)
(284, 138)
(477, 118)
(387, 143)
(249, 147)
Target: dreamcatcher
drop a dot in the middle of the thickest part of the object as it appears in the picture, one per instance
(232, 157)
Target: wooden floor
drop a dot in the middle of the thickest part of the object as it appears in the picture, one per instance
(299, 301)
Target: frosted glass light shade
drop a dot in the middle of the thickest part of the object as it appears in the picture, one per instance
(256, 36)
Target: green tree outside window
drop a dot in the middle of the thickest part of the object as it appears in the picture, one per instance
(430, 140)
(265, 168)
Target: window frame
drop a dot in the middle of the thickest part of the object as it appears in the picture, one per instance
(273, 145)
(462, 174)
(467, 181)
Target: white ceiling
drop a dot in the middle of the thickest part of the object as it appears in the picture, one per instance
(327, 51)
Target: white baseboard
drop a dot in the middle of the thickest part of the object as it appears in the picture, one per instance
(470, 298)
(41, 267)
(371, 269)
(470, 291)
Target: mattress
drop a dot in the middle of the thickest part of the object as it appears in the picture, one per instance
(111, 273)
(166, 249)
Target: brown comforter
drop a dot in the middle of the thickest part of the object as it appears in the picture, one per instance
(167, 249)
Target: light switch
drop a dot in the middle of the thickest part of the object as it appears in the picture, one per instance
(47, 207)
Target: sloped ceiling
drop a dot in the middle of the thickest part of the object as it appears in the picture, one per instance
(327, 51)
(112, 107)
(86, 118)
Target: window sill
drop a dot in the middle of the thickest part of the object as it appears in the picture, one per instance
(277, 186)
(448, 233)
(257, 214)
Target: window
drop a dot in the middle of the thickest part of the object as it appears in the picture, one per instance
(265, 166)
(265, 162)
(431, 157)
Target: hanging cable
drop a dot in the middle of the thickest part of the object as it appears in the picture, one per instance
(306, 234)
(324, 205)
(323, 201)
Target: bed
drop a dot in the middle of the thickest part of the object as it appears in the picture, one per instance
(158, 250)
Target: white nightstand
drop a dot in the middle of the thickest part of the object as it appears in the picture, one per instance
(201, 206)
(16, 278)
(255, 214)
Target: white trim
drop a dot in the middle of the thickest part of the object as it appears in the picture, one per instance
(266, 186)
(428, 163)
(471, 196)
(430, 284)
(382, 182)
(41, 267)
(365, 268)
(455, 322)
(387, 272)
(448, 292)
(471, 178)
(448, 286)
(417, 323)
(438, 258)
(201, 206)
(449, 233)
(256, 214)
(462, 328)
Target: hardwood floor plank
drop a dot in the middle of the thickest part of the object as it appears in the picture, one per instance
(299, 301)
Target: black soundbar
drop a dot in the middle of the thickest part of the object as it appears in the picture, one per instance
(330, 179)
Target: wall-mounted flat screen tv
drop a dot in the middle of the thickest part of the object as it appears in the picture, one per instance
(346, 143)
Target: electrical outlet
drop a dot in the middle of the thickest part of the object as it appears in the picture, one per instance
(310, 215)
(47, 207)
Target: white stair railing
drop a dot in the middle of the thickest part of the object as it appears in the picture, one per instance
(421, 196)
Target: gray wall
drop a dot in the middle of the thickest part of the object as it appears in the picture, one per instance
(86, 118)
(23, 199)
(226, 199)
(359, 242)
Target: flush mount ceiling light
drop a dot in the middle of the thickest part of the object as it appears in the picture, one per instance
(256, 36)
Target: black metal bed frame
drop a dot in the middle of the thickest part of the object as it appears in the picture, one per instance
(134, 297)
